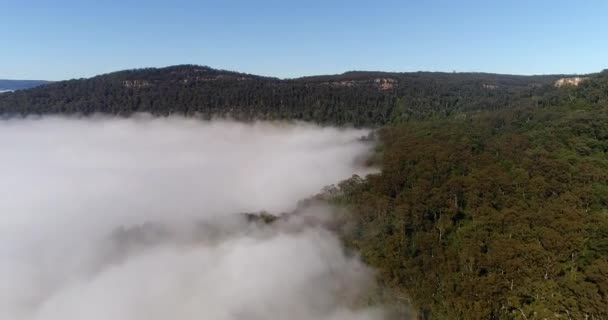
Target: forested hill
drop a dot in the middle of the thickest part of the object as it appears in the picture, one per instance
(497, 215)
(357, 98)
(20, 84)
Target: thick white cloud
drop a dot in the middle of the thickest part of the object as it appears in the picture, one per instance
(106, 218)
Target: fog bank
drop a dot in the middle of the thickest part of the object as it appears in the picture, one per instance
(137, 218)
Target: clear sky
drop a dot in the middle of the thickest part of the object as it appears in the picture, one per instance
(57, 40)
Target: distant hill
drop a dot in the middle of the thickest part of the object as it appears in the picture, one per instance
(358, 97)
(11, 85)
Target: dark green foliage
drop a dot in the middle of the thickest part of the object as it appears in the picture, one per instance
(356, 98)
(501, 215)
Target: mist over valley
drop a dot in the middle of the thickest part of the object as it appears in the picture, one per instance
(141, 218)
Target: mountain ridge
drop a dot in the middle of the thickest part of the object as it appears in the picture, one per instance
(359, 98)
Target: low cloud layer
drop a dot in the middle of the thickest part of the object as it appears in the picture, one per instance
(137, 218)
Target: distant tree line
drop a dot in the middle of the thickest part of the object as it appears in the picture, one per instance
(355, 98)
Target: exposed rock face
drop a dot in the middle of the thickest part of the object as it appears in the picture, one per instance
(346, 83)
(572, 81)
(136, 84)
(379, 83)
(385, 83)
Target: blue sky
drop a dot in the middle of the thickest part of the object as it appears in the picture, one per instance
(70, 39)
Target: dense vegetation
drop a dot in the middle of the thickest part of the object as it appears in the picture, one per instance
(501, 215)
(357, 98)
(492, 202)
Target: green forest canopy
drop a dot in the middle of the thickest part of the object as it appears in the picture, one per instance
(500, 215)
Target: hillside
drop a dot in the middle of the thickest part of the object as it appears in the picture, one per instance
(502, 215)
(497, 215)
(357, 98)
